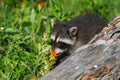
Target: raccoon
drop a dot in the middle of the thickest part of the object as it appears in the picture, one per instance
(68, 36)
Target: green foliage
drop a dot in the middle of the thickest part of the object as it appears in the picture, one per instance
(24, 37)
(25, 30)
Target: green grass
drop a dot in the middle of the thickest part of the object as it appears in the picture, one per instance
(25, 29)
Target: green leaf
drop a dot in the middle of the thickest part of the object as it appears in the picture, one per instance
(10, 30)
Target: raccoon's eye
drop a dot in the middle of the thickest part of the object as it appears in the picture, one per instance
(63, 45)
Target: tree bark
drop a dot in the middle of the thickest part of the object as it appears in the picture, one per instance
(97, 60)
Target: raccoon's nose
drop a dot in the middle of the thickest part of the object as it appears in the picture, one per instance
(53, 47)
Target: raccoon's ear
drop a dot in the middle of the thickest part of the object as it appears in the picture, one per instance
(53, 22)
(73, 31)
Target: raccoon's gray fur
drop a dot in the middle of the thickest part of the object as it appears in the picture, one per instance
(68, 36)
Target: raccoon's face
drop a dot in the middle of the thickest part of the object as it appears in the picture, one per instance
(63, 37)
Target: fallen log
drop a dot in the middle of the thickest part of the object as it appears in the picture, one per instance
(97, 60)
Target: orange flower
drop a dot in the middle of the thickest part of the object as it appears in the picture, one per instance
(23, 3)
(41, 4)
(54, 54)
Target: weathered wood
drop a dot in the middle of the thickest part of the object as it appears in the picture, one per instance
(98, 60)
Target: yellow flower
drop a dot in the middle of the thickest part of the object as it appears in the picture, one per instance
(34, 78)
